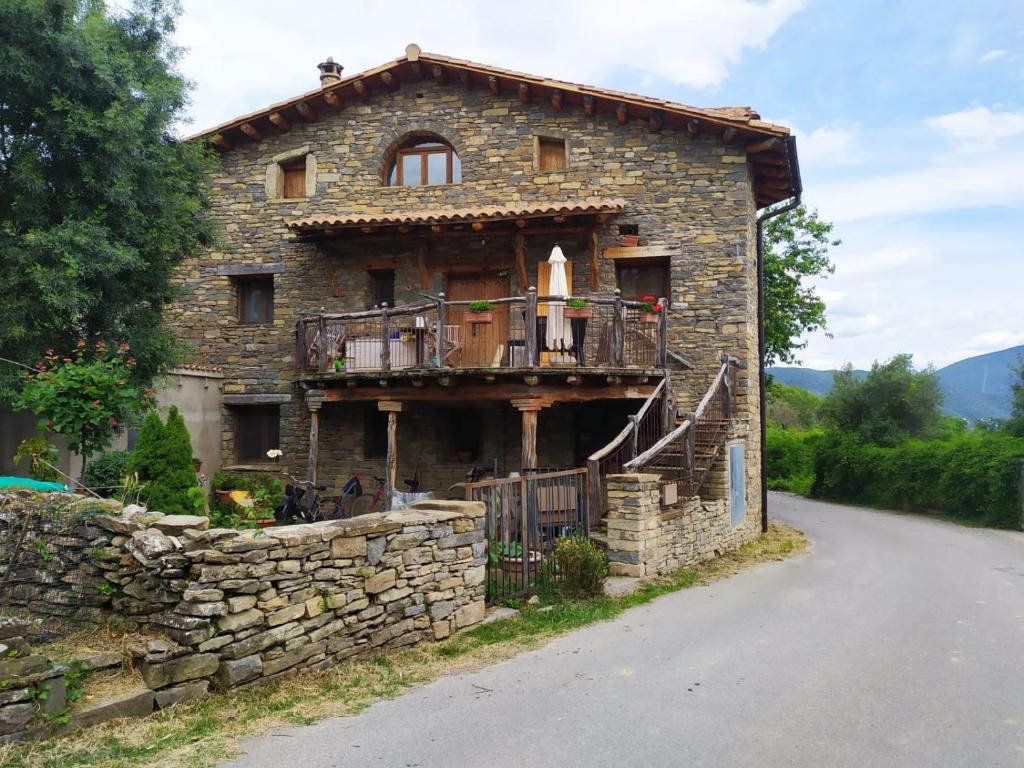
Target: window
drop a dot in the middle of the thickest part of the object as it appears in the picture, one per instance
(294, 178)
(427, 161)
(639, 280)
(257, 430)
(375, 433)
(382, 287)
(255, 300)
(550, 154)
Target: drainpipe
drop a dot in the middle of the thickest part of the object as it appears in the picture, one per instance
(794, 170)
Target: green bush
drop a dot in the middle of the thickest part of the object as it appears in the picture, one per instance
(163, 461)
(105, 475)
(578, 567)
(262, 486)
(973, 477)
(790, 456)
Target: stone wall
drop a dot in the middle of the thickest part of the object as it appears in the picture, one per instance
(645, 539)
(690, 195)
(245, 606)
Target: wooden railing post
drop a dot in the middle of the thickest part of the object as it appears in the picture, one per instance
(618, 335)
(667, 406)
(530, 331)
(321, 345)
(595, 493)
(634, 437)
(661, 354)
(441, 319)
(691, 445)
(385, 338)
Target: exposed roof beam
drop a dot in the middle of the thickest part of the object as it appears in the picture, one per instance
(657, 120)
(622, 112)
(764, 145)
(251, 131)
(332, 99)
(494, 84)
(524, 93)
(390, 80)
(556, 99)
(693, 128)
(280, 121)
(361, 89)
(307, 112)
(439, 74)
(728, 135)
(588, 106)
(220, 142)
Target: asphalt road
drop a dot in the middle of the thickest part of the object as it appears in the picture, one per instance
(898, 641)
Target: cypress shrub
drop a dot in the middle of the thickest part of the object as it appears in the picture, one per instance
(163, 461)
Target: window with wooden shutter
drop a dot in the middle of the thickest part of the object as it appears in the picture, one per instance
(257, 430)
(550, 154)
(255, 299)
(650, 278)
(294, 179)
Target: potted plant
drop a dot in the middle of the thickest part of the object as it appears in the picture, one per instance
(577, 309)
(651, 311)
(480, 312)
(629, 241)
(510, 555)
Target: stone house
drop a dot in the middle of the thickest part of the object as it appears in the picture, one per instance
(360, 219)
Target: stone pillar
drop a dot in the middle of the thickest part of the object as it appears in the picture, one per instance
(391, 473)
(634, 520)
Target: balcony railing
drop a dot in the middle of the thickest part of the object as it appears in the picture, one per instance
(608, 333)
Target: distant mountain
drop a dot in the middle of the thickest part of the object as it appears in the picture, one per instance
(975, 388)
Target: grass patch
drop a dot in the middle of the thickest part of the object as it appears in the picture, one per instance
(205, 732)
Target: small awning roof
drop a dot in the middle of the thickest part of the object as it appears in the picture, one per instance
(322, 223)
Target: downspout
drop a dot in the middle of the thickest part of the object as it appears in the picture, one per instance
(794, 170)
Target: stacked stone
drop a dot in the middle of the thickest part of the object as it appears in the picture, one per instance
(645, 538)
(29, 685)
(254, 605)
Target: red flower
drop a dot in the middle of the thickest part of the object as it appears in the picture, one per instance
(657, 307)
(67, 359)
(122, 347)
(649, 298)
(130, 361)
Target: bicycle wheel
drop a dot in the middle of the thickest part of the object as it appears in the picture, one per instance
(360, 505)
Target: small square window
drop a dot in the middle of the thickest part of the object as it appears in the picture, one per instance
(257, 430)
(255, 300)
(550, 154)
(647, 279)
(294, 179)
(375, 433)
(382, 287)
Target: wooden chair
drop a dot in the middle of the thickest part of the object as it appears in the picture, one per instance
(328, 348)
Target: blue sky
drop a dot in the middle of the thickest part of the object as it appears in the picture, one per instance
(909, 117)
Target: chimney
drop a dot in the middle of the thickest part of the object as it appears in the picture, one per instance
(330, 72)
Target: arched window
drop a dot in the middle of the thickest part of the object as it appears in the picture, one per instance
(425, 160)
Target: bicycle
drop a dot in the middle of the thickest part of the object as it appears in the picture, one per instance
(294, 509)
(361, 504)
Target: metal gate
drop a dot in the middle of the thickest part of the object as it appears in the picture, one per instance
(525, 516)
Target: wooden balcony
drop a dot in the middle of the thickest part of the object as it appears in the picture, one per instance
(612, 340)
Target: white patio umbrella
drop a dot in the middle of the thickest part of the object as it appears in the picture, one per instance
(558, 336)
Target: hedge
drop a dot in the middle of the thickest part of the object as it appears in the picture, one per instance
(973, 477)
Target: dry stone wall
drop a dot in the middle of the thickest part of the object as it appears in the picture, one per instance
(645, 539)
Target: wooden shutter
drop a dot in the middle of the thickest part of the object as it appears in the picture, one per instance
(551, 154)
(295, 181)
(544, 280)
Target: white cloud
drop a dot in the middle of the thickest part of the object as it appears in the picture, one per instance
(979, 124)
(244, 60)
(995, 55)
(830, 146)
(885, 259)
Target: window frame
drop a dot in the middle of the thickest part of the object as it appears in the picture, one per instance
(664, 264)
(423, 148)
(271, 424)
(539, 141)
(242, 282)
(298, 168)
(379, 274)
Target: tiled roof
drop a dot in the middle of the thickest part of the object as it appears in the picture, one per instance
(425, 216)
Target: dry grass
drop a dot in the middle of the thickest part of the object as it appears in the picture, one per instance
(202, 733)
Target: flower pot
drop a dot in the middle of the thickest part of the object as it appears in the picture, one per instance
(647, 317)
(513, 566)
(578, 313)
(266, 523)
(480, 318)
(629, 241)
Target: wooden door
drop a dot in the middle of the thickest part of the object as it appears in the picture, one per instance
(483, 345)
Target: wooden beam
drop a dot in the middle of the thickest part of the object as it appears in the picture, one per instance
(521, 223)
(728, 135)
(314, 445)
(529, 459)
(772, 159)
(251, 131)
(361, 89)
(693, 128)
(556, 99)
(421, 261)
(770, 171)
(417, 69)
(478, 226)
(220, 142)
(555, 393)
(282, 122)
(588, 106)
(520, 246)
(437, 228)
(390, 81)
(466, 78)
(639, 252)
(622, 112)
(765, 145)
(657, 120)
(494, 84)
(439, 74)
(524, 93)
(391, 460)
(595, 240)
(405, 229)
(332, 99)
(307, 112)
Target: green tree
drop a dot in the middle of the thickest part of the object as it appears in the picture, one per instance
(796, 246)
(792, 407)
(162, 459)
(85, 397)
(1015, 424)
(98, 200)
(892, 403)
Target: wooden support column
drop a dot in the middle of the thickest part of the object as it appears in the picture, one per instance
(385, 338)
(391, 471)
(530, 408)
(618, 331)
(662, 351)
(439, 332)
(314, 399)
(595, 266)
(530, 331)
(520, 244)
